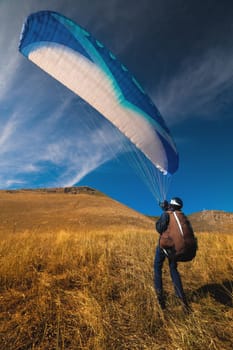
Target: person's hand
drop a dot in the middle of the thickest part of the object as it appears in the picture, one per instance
(164, 205)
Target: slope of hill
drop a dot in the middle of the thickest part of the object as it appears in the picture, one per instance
(73, 208)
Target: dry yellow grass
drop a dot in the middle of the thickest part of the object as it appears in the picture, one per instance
(90, 286)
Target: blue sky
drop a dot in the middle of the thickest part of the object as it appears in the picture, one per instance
(182, 54)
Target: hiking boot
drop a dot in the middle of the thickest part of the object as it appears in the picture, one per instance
(161, 300)
(186, 307)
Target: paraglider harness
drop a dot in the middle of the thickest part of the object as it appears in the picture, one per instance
(177, 239)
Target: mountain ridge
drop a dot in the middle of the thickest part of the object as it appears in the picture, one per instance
(85, 206)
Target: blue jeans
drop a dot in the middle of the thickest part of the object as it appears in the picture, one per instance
(160, 256)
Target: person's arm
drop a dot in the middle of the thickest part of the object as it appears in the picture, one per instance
(162, 223)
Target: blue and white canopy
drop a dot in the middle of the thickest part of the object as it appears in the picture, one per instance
(72, 56)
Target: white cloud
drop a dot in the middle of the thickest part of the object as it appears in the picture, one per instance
(6, 132)
(79, 155)
(196, 88)
(13, 183)
(30, 168)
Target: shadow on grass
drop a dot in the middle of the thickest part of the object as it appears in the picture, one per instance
(220, 292)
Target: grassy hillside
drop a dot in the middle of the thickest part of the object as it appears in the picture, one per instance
(54, 210)
(76, 272)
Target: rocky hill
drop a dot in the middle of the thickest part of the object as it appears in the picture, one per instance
(212, 220)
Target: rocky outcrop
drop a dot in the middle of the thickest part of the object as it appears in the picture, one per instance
(212, 220)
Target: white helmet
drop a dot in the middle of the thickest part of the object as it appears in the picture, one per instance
(176, 202)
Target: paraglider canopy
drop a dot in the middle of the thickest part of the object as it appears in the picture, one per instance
(74, 57)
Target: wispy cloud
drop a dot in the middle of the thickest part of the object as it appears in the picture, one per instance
(79, 153)
(6, 132)
(14, 183)
(196, 89)
(90, 153)
(52, 141)
(8, 56)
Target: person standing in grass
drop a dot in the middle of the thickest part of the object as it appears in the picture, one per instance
(165, 223)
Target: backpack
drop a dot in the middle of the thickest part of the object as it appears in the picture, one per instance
(179, 241)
